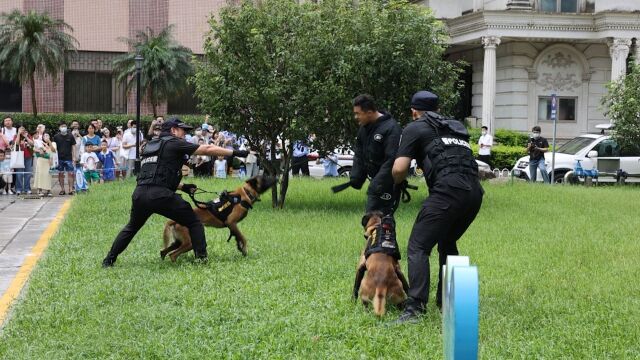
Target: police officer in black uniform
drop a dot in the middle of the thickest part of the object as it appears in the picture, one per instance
(159, 178)
(441, 148)
(375, 151)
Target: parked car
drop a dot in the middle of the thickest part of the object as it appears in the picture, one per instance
(597, 151)
(345, 162)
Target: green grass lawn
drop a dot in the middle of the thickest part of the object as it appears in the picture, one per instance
(559, 278)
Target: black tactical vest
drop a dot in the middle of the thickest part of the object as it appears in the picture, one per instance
(156, 169)
(383, 239)
(450, 152)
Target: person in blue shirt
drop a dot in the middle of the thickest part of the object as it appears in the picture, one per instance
(330, 163)
(91, 141)
(109, 162)
(299, 162)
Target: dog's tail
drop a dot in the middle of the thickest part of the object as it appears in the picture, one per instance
(379, 300)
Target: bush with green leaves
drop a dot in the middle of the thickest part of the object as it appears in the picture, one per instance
(503, 156)
(502, 137)
(622, 105)
(51, 121)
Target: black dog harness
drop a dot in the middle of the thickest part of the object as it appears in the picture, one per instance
(222, 207)
(383, 239)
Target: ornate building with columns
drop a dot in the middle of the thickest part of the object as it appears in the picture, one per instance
(520, 52)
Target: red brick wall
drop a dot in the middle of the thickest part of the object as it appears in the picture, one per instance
(49, 96)
(143, 14)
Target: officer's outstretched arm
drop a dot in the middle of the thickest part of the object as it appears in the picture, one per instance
(214, 150)
(400, 169)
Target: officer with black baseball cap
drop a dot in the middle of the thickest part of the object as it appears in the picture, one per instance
(158, 180)
(441, 148)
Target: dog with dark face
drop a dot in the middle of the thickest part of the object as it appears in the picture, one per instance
(227, 212)
(378, 275)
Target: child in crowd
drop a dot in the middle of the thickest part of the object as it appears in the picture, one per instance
(5, 170)
(221, 167)
(109, 162)
(89, 162)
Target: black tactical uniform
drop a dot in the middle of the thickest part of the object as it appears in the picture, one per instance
(158, 180)
(441, 148)
(375, 151)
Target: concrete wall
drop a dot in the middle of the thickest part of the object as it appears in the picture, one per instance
(99, 25)
(617, 5)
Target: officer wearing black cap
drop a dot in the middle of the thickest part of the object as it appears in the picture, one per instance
(159, 178)
(441, 148)
(375, 151)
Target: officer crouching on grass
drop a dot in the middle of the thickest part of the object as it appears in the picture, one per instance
(375, 151)
(159, 178)
(441, 148)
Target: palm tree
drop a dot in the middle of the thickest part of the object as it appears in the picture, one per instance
(165, 69)
(33, 45)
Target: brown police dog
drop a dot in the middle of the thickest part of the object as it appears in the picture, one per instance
(378, 277)
(176, 237)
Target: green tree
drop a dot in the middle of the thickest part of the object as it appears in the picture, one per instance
(165, 69)
(622, 104)
(277, 71)
(34, 45)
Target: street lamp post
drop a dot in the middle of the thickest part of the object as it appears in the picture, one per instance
(138, 60)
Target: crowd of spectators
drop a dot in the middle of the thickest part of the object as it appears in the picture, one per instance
(96, 154)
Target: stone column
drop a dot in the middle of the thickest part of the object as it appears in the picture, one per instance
(619, 50)
(637, 52)
(489, 81)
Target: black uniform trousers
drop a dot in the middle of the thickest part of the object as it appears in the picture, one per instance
(443, 219)
(300, 164)
(150, 199)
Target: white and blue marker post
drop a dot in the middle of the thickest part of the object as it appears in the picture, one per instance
(460, 309)
(554, 118)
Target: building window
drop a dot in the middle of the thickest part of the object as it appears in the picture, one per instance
(10, 96)
(566, 109)
(185, 102)
(565, 6)
(89, 91)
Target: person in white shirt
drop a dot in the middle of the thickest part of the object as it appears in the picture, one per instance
(485, 142)
(8, 133)
(129, 145)
(221, 167)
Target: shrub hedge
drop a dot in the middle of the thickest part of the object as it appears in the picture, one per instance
(51, 121)
(503, 157)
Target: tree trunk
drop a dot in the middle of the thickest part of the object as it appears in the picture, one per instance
(274, 172)
(34, 106)
(284, 182)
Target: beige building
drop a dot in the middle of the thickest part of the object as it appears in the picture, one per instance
(520, 52)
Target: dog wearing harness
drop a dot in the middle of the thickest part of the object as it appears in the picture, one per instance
(226, 211)
(378, 275)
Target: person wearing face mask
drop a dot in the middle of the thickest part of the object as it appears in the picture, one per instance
(537, 146)
(65, 144)
(485, 143)
(441, 148)
(159, 177)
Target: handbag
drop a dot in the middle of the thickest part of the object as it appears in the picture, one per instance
(17, 158)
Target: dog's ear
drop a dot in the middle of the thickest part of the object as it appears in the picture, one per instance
(253, 182)
(365, 219)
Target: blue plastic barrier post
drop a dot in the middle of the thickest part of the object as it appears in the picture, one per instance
(460, 309)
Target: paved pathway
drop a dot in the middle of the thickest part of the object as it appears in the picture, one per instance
(22, 222)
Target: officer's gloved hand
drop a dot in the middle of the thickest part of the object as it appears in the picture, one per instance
(240, 153)
(189, 188)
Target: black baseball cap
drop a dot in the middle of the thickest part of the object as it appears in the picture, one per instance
(424, 101)
(175, 122)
